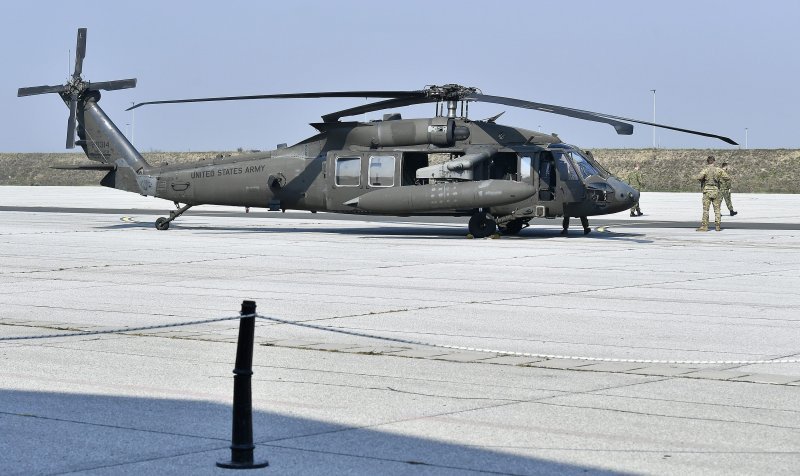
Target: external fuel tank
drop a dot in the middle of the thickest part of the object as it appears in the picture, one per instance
(443, 196)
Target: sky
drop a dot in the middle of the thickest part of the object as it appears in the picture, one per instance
(726, 67)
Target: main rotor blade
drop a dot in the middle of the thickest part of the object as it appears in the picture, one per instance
(376, 106)
(112, 85)
(679, 129)
(32, 91)
(329, 94)
(621, 127)
(80, 52)
(73, 109)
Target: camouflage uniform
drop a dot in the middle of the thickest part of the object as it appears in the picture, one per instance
(725, 190)
(710, 179)
(635, 180)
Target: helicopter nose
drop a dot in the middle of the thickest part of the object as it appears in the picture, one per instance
(624, 195)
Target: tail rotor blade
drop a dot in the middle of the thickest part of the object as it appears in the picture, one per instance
(113, 85)
(73, 110)
(80, 52)
(32, 91)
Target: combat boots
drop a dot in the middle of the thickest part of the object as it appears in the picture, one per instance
(718, 228)
(703, 228)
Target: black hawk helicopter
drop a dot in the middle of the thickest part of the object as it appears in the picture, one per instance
(448, 165)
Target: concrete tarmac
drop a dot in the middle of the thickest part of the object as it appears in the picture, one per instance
(396, 345)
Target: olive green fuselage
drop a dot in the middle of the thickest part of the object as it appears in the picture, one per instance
(304, 176)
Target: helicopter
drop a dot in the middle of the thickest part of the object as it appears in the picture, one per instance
(501, 177)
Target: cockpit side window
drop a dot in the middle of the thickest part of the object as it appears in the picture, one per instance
(565, 169)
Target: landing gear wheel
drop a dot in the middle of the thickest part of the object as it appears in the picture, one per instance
(512, 228)
(162, 224)
(482, 225)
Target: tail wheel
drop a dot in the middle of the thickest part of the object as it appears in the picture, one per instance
(162, 224)
(482, 225)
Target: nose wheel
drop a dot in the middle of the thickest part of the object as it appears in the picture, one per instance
(482, 225)
(163, 222)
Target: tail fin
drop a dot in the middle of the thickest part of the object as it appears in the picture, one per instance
(103, 142)
(100, 139)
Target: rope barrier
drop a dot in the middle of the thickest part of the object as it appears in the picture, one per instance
(529, 354)
(408, 342)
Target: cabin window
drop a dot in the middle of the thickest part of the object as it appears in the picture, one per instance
(525, 169)
(381, 171)
(348, 171)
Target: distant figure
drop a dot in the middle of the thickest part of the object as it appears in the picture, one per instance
(584, 222)
(711, 177)
(635, 181)
(725, 190)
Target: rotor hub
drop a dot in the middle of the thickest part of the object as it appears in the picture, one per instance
(450, 92)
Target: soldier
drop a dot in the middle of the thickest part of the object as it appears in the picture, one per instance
(725, 190)
(584, 222)
(710, 179)
(635, 181)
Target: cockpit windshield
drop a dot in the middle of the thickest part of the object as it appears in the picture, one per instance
(585, 168)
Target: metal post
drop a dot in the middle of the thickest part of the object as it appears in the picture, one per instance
(654, 117)
(242, 433)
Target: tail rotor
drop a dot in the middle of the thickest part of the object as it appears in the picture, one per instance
(76, 90)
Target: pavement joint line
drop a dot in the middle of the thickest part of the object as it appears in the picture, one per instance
(119, 330)
(106, 425)
(665, 415)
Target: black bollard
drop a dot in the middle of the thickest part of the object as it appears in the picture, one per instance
(242, 435)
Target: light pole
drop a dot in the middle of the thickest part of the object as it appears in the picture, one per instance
(654, 117)
(133, 120)
(745, 138)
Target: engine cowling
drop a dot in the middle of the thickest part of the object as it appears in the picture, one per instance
(439, 131)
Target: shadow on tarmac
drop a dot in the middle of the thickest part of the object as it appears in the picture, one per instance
(65, 433)
(377, 231)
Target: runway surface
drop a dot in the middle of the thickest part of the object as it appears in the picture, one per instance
(395, 345)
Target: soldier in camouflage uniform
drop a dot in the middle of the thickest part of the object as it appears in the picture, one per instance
(710, 179)
(725, 190)
(635, 180)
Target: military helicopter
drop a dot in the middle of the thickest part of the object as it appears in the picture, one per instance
(500, 176)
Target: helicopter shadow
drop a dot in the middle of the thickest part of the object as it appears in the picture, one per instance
(578, 235)
(409, 232)
(376, 231)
